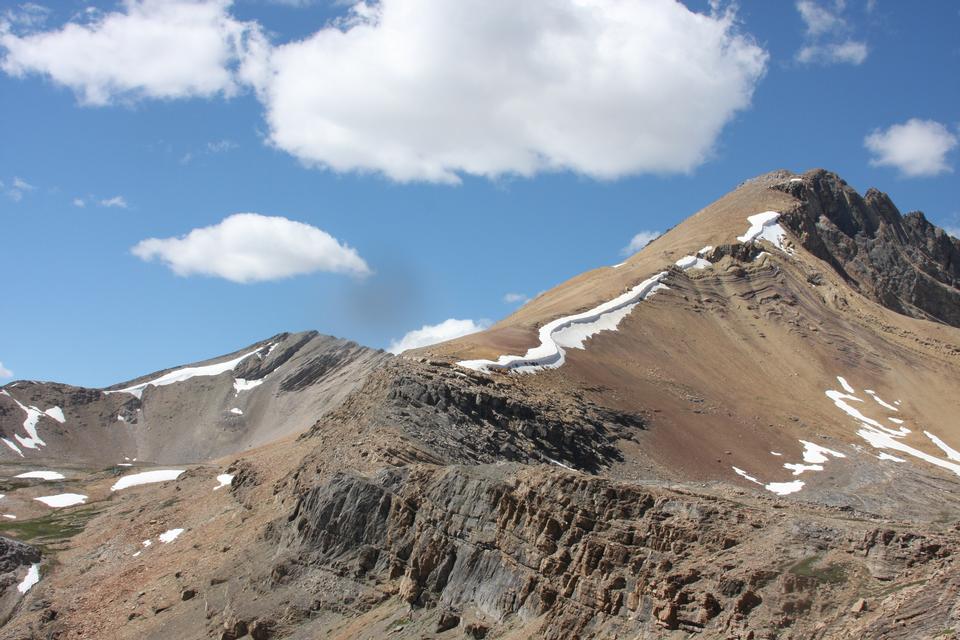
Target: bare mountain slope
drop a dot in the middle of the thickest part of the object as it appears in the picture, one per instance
(744, 431)
(198, 412)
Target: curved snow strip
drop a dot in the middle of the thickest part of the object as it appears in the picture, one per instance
(224, 480)
(62, 500)
(180, 375)
(10, 444)
(239, 384)
(146, 477)
(170, 536)
(32, 578)
(32, 441)
(42, 475)
(550, 354)
(895, 420)
(744, 474)
(846, 385)
(952, 453)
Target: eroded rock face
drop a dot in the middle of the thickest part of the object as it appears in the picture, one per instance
(903, 262)
(587, 556)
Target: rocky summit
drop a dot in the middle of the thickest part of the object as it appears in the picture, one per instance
(746, 430)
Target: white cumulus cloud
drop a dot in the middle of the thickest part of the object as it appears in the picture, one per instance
(917, 148)
(428, 90)
(639, 241)
(433, 333)
(148, 48)
(249, 247)
(4, 372)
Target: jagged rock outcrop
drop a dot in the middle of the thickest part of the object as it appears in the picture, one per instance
(903, 262)
(468, 418)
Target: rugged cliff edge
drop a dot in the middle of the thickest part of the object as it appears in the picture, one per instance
(903, 262)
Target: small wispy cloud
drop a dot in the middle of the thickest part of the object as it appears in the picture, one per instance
(116, 202)
(17, 188)
(4, 372)
(79, 202)
(211, 148)
(639, 241)
(516, 298)
(827, 35)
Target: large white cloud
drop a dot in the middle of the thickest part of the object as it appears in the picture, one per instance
(917, 148)
(149, 48)
(249, 247)
(430, 89)
(433, 333)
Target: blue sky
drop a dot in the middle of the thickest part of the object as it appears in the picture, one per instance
(442, 157)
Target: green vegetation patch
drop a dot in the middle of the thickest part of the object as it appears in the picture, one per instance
(830, 574)
(53, 529)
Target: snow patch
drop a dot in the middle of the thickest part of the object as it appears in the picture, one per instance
(952, 453)
(12, 446)
(846, 385)
(236, 411)
(62, 500)
(146, 477)
(765, 226)
(886, 456)
(42, 475)
(239, 384)
(744, 474)
(784, 488)
(32, 578)
(881, 402)
(56, 413)
(572, 331)
(9, 516)
(169, 536)
(692, 262)
(224, 480)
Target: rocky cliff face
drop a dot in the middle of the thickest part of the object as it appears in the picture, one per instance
(903, 262)
(486, 548)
